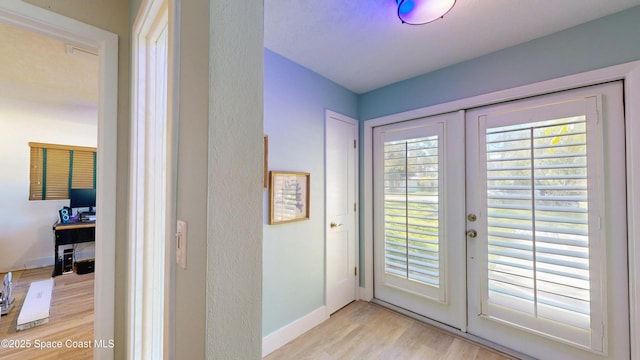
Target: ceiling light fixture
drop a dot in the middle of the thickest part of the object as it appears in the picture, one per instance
(419, 12)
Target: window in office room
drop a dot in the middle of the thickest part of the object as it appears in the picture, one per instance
(57, 168)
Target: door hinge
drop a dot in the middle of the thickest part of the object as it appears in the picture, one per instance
(354, 144)
(355, 207)
(355, 271)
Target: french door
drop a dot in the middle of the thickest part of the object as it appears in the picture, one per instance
(419, 228)
(541, 264)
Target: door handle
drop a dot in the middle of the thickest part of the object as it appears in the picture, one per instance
(472, 233)
(333, 225)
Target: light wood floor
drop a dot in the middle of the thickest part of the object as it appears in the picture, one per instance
(70, 322)
(368, 331)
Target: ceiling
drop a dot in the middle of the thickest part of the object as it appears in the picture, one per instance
(362, 45)
(359, 47)
(37, 68)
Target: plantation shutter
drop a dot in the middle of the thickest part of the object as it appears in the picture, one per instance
(83, 169)
(412, 212)
(543, 224)
(57, 171)
(411, 209)
(57, 168)
(36, 190)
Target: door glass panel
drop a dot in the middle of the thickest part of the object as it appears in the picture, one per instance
(411, 210)
(537, 217)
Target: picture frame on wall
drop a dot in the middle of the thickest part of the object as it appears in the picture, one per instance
(288, 196)
(265, 168)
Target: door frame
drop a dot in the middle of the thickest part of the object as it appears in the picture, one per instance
(151, 290)
(628, 72)
(328, 115)
(105, 43)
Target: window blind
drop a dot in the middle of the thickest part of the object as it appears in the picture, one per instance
(537, 219)
(411, 209)
(57, 168)
(83, 169)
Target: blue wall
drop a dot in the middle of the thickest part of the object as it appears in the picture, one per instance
(611, 40)
(295, 100)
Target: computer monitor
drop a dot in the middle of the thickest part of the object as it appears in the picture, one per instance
(81, 198)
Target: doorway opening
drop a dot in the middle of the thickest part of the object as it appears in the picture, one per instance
(103, 43)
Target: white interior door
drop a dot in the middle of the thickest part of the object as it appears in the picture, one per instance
(419, 241)
(341, 230)
(547, 270)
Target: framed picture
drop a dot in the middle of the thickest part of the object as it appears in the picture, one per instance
(265, 144)
(288, 197)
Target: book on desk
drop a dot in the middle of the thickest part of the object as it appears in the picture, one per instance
(88, 217)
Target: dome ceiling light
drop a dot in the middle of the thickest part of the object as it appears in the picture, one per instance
(419, 12)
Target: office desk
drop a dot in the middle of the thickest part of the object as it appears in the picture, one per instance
(71, 233)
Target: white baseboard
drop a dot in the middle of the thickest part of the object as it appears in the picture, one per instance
(28, 264)
(285, 334)
(365, 294)
(37, 263)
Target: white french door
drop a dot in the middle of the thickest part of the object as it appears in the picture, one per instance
(419, 222)
(543, 266)
(548, 268)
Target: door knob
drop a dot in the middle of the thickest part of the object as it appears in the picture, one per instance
(472, 233)
(333, 225)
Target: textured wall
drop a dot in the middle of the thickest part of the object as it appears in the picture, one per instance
(190, 306)
(295, 100)
(234, 239)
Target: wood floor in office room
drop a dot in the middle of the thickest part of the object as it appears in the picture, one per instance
(70, 321)
(364, 330)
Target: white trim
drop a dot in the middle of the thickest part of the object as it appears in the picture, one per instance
(285, 334)
(36, 19)
(629, 72)
(153, 178)
(632, 116)
(173, 116)
(356, 225)
(569, 82)
(363, 294)
(453, 330)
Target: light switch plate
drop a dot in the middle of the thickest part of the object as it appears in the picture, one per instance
(181, 244)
